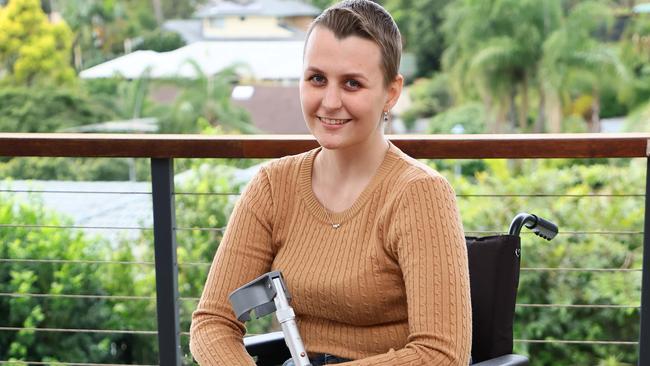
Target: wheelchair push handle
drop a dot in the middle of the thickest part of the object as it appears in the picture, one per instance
(540, 227)
(266, 294)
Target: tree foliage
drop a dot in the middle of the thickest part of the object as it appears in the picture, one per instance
(174, 9)
(102, 28)
(161, 41)
(32, 49)
(205, 98)
(430, 96)
(54, 279)
(488, 205)
(48, 109)
(420, 23)
(202, 214)
(507, 51)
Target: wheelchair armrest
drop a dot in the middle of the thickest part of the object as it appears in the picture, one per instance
(506, 360)
(269, 349)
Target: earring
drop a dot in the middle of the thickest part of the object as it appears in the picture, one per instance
(385, 116)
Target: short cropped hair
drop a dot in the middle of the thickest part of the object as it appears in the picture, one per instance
(365, 19)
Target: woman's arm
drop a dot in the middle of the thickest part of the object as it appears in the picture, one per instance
(245, 252)
(427, 239)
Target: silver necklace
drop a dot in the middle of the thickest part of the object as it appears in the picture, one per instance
(329, 219)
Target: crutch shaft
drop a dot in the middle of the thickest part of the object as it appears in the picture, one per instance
(287, 319)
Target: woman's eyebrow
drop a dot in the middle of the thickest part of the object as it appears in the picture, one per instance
(355, 75)
(314, 69)
(351, 75)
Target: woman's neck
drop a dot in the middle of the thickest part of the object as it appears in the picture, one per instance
(359, 162)
(340, 176)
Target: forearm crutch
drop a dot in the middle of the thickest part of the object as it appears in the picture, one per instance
(266, 294)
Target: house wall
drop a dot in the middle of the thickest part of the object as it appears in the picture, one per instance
(301, 23)
(242, 27)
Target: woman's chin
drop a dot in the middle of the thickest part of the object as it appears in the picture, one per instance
(327, 142)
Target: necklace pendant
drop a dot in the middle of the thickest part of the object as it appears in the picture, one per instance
(336, 226)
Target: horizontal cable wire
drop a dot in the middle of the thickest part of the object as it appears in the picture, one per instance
(207, 193)
(35, 226)
(195, 264)
(67, 363)
(82, 296)
(498, 195)
(74, 261)
(222, 229)
(72, 330)
(207, 264)
(561, 341)
(523, 269)
(601, 232)
(579, 306)
(562, 232)
(570, 269)
(488, 195)
(78, 296)
(64, 261)
(70, 192)
(151, 298)
(626, 343)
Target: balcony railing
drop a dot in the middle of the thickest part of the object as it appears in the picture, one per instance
(162, 150)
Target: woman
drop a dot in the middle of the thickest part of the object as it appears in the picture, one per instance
(369, 240)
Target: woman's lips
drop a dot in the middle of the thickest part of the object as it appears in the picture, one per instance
(333, 123)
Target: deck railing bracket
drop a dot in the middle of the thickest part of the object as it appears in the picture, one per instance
(164, 222)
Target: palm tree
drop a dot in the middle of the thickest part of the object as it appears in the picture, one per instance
(504, 49)
(208, 97)
(495, 47)
(573, 56)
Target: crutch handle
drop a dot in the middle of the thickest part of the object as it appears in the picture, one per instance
(266, 294)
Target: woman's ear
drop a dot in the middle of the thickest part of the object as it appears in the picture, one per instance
(394, 91)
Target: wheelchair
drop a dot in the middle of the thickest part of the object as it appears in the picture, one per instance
(494, 263)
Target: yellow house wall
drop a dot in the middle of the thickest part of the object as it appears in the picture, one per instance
(250, 26)
(301, 23)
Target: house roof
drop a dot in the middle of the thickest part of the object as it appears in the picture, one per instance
(276, 8)
(129, 211)
(189, 29)
(259, 60)
(135, 125)
(111, 210)
(273, 108)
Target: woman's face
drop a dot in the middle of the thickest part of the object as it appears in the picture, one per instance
(342, 90)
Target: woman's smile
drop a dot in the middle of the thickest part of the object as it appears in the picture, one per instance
(333, 122)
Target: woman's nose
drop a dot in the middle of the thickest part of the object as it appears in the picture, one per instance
(332, 98)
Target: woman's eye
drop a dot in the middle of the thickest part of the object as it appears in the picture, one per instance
(317, 79)
(352, 84)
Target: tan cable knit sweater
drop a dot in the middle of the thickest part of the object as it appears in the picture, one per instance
(390, 286)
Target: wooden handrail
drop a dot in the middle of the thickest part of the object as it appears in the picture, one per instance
(272, 146)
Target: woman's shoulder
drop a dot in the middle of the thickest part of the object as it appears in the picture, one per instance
(287, 162)
(411, 171)
(285, 169)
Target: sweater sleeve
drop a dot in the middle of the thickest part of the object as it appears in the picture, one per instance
(245, 252)
(426, 237)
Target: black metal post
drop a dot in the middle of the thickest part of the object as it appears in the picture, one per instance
(162, 183)
(644, 336)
